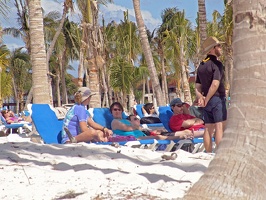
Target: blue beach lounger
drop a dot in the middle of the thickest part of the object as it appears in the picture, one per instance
(138, 109)
(11, 126)
(165, 113)
(49, 126)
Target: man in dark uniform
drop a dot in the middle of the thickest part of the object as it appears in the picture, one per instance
(210, 92)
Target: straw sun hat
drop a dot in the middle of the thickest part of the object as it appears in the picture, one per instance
(209, 43)
(85, 92)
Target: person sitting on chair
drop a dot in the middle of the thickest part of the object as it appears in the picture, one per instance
(182, 120)
(121, 126)
(150, 115)
(131, 126)
(10, 116)
(75, 125)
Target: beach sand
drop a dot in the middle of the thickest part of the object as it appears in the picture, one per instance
(89, 171)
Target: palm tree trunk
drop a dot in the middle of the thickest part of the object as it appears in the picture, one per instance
(51, 47)
(186, 88)
(81, 57)
(105, 88)
(164, 80)
(143, 90)
(63, 78)
(58, 90)
(38, 55)
(147, 53)
(95, 46)
(237, 171)
(1, 101)
(202, 20)
(29, 97)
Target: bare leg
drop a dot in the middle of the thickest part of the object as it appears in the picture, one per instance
(207, 137)
(224, 125)
(198, 133)
(177, 136)
(185, 134)
(90, 135)
(219, 128)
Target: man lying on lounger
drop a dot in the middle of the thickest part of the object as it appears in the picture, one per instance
(182, 120)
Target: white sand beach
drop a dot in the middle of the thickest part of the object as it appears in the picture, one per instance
(88, 171)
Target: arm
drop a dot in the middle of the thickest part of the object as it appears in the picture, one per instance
(144, 111)
(117, 125)
(94, 125)
(82, 116)
(199, 95)
(214, 86)
(9, 120)
(83, 126)
(190, 122)
(97, 126)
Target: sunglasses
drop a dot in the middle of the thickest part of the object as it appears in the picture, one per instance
(116, 109)
(178, 105)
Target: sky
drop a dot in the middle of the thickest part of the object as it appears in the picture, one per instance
(151, 13)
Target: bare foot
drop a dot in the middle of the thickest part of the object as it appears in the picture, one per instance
(189, 135)
(70, 136)
(100, 136)
(186, 134)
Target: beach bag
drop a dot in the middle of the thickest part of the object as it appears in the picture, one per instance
(150, 120)
(119, 138)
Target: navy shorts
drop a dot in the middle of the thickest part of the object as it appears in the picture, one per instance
(215, 110)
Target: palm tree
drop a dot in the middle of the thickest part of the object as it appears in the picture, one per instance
(38, 54)
(20, 69)
(68, 5)
(122, 49)
(148, 54)
(72, 36)
(24, 33)
(4, 9)
(237, 170)
(166, 16)
(91, 49)
(176, 38)
(23, 22)
(157, 41)
(227, 26)
(51, 22)
(5, 78)
(121, 78)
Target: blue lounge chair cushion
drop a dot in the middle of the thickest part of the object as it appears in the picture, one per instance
(103, 116)
(47, 124)
(165, 113)
(138, 109)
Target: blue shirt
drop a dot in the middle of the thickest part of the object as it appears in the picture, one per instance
(76, 114)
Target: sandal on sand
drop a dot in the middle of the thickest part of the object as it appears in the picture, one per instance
(70, 136)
